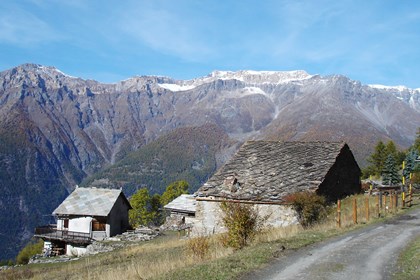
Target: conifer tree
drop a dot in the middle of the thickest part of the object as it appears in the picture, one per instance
(410, 163)
(390, 174)
(377, 159)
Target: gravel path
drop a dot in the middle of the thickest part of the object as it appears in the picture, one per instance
(369, 253)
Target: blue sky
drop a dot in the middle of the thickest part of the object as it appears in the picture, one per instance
(375, 42)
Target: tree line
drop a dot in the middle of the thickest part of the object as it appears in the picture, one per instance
(390, 164)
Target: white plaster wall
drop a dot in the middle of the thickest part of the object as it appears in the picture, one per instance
(75, 251)
(209, 216)
(47, 245)
(60, 224)
(82, 224)
(99, 235)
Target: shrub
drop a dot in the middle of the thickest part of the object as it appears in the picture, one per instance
(199, 246)
(31, 249)
(242, 222)
(310, 207)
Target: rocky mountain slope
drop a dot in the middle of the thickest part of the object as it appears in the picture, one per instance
(56, 130)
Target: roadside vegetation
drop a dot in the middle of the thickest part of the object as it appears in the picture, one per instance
(409, 262)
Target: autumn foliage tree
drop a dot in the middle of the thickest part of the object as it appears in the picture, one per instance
(242, 222)
(173, 191)
(146, 208)
(310, 207)
(141, 214)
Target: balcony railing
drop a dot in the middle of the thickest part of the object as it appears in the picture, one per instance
(63, 235)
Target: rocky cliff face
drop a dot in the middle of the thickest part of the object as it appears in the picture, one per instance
(56, 130)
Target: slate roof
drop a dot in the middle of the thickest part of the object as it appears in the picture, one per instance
(267, 171)
(185, 203)
(89, 202)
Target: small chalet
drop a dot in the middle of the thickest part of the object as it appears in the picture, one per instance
(265, 173)
(87, 214)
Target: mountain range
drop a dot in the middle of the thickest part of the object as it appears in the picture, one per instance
(57, 131)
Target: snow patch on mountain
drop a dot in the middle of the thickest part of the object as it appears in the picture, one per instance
(52, 71)
(176, 87)
(261, 77)
(253, 90)
(399, 88)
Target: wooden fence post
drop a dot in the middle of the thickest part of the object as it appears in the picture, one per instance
(354, 211)
(380, 199)
(391, 202)
(339, 213)
(377, 206)
(411, 198)
(367, 208)
(386, 210)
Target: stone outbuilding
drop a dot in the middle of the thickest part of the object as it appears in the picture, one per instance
(265, 173)
(180, 212)
(87, 214)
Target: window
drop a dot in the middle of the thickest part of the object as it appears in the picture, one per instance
(66, 224)
(98, 225)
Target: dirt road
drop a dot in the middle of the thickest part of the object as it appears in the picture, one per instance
(369, 253)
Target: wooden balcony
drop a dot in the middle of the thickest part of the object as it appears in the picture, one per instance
(75, 237)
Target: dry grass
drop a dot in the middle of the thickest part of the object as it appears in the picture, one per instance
(168, 257)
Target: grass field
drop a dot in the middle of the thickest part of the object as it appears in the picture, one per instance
(409, 262)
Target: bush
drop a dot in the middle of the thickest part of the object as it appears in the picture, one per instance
(199, 246)
(310, 207)
(31, 249)
(242, 222)
(6, 263)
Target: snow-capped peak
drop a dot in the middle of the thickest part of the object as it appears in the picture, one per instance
(399, 88)
(259, 77)
(247, 76)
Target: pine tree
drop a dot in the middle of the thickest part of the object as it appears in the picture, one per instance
(410, 163)
(390, 174)
(377, 159)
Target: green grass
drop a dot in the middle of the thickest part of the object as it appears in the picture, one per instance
(409, 262)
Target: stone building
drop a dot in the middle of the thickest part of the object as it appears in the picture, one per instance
(180, 212)
(265, 173)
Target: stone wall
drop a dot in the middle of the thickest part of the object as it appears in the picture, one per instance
(208, 217)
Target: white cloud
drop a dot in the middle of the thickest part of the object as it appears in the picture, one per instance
(22, 28)
(166, 31)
